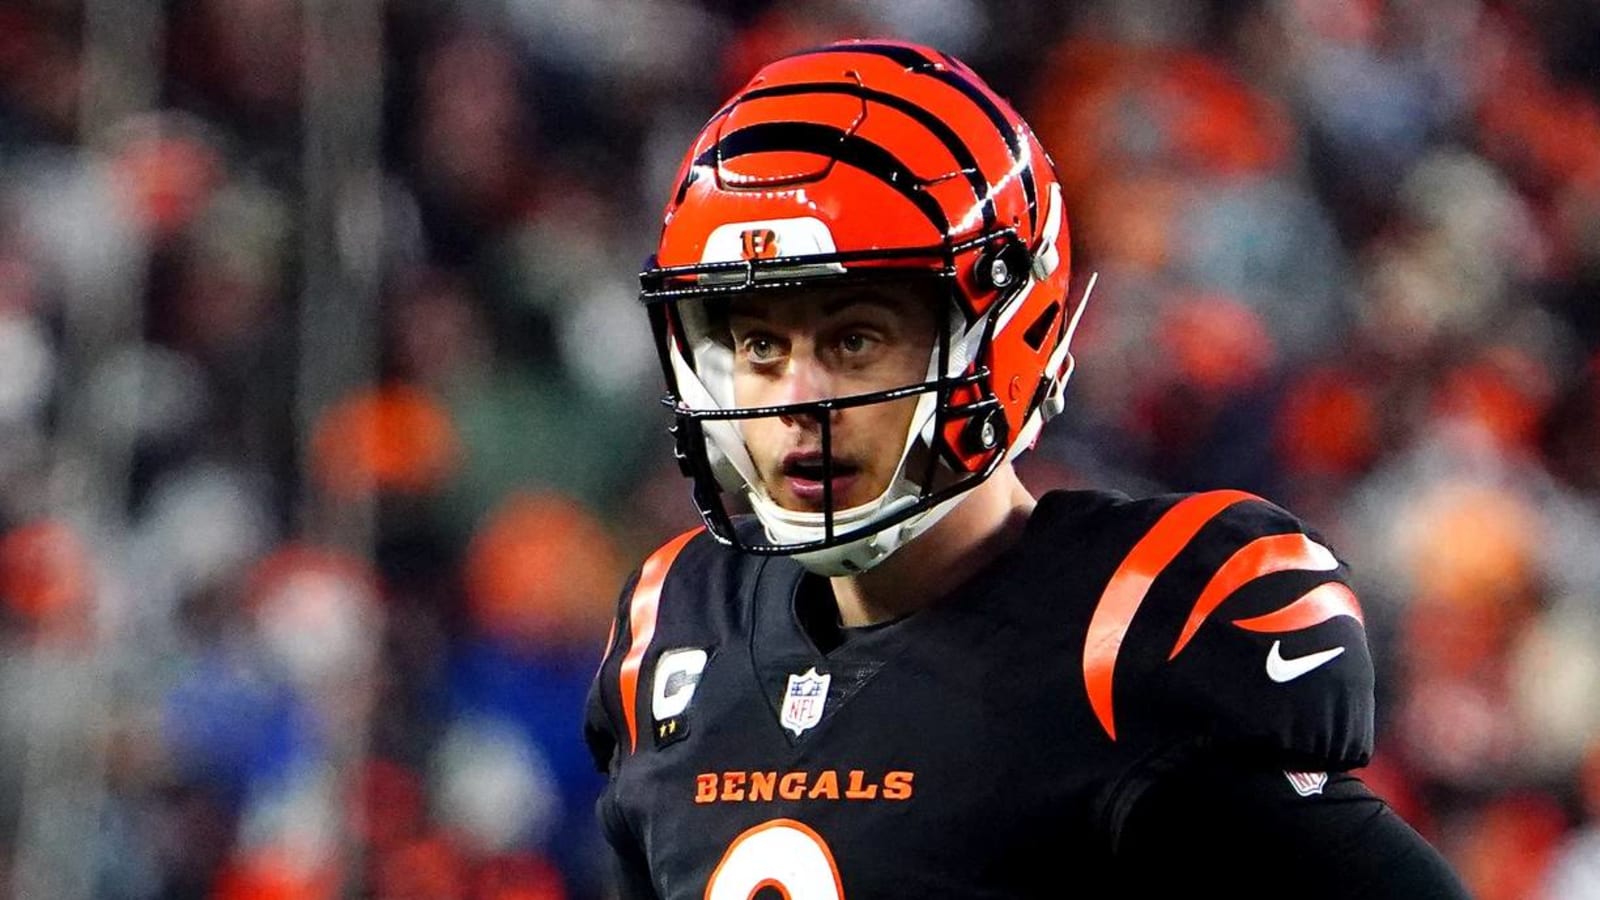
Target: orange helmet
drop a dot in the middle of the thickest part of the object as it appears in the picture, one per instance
(852, 162)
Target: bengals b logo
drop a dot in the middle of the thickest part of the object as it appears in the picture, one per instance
(759, 243)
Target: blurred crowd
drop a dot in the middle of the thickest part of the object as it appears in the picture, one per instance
(291, 608)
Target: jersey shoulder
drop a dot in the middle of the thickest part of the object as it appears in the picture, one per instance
(1224, 618)
(682, 578)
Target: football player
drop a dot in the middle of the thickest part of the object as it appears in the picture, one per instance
(882, 668)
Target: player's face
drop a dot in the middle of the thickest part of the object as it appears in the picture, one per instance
(798, 348)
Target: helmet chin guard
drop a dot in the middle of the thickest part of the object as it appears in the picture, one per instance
(854, 165)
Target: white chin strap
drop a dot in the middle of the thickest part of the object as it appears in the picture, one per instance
(852, 557)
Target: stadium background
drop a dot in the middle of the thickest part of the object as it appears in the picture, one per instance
(328, 424)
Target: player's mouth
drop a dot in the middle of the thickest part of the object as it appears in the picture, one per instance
(806, 472)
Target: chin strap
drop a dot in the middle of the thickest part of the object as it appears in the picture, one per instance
(1057, 371)
(864, 553)
(1058, 375)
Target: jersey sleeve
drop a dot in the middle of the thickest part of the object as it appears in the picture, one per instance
(605, 733)
(629, 872)
(611, 719)
(1234, 639)
(1270, 659)
(1229, 626)
(1247, 831)
(601, 727)
(611, 714)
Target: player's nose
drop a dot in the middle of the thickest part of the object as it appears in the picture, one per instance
(805, 380)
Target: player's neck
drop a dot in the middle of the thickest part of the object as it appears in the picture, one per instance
(988, 521)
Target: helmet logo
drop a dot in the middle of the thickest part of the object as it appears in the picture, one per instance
(759, 243)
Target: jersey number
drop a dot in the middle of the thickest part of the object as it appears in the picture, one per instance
(782, 854)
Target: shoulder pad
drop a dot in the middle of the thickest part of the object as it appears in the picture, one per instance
(1230, 622)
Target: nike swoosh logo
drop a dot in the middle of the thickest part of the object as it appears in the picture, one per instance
(1281, 670)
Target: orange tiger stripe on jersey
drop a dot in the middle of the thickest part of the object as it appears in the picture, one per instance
(1128, 586)
(642, 625)
(1262, 556)
(1318, 605)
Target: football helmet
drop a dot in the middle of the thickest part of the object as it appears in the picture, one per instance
(856, 162)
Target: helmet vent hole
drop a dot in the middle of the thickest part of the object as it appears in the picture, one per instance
(1035, 335)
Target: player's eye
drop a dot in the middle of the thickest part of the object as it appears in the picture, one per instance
(857, 346)
(759, 348)
(854, 342)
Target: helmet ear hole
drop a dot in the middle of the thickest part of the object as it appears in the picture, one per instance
(1002, 265)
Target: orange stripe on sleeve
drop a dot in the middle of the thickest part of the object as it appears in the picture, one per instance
(1262, 556)
(1318, 605)
(642, 625)
(1128, 586)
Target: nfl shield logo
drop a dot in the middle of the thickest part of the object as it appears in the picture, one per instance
(803, 700)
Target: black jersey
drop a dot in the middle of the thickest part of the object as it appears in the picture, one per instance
(992, 744)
